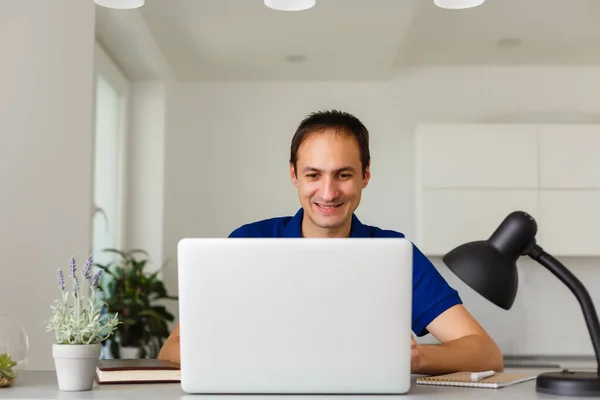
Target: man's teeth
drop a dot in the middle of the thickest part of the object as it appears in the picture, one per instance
(322, 206)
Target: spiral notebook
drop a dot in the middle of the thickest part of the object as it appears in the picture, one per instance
(498, 380)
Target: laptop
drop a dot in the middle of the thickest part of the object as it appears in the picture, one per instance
(295, 315)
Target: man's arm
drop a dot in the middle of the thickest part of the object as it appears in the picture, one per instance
(170, 349)
(464, 346)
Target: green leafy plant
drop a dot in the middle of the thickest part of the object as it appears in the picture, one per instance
(77, 316)
(136, 296)
(7, 373)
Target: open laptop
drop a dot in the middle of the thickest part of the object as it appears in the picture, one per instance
(295, 316)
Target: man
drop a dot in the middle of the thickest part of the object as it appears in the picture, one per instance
(330, 166)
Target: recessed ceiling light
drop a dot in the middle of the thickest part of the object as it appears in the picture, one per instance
(290, 5)
(295, 58)
(509, 42)
(120, 4)
(458, 4)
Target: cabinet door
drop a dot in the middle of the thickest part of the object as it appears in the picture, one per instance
(569, 222)
(476, 156)
(569, 156)
(447, 218)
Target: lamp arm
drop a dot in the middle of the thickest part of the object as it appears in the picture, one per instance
(577, 288)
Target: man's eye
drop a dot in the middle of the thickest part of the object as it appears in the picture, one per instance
(312, 176)
(344, 176)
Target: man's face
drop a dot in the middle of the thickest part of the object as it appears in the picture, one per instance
(330, 181)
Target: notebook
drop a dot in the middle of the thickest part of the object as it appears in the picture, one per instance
(136, 371)
(498, 380)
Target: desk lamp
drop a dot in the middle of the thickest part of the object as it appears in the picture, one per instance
(489, 267)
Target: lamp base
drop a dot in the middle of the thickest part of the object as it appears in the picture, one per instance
(569, 383)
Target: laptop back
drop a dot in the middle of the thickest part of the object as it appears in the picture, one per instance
(295, 316)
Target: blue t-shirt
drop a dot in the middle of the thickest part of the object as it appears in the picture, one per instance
(431, 293)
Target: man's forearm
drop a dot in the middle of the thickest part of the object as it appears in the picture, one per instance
(470, 353)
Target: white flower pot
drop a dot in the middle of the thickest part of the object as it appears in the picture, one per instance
(75, 365)
(130, 352)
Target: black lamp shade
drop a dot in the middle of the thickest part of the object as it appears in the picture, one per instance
(485, 270)
(490, 266)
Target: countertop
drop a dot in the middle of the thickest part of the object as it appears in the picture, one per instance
(43, 385)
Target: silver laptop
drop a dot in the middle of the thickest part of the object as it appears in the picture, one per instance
(295, 316)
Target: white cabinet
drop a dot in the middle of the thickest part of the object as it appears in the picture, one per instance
(569, 222)
(569, 156)
(451, 217)
(477, 156)
(469, 177)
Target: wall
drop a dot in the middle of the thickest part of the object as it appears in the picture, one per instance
(145, 168)
(227, 148)
(46, 125)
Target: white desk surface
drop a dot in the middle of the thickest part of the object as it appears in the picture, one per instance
(42, 385)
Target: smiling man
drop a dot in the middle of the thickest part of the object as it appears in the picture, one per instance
(330, 167)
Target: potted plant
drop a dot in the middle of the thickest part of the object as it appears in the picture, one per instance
(79, 328)
(136, 296)
(7, 373)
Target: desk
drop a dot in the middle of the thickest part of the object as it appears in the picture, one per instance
(42, 385)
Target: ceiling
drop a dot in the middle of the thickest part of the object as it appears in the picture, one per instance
(348, 39)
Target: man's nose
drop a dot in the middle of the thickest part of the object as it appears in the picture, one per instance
(329, 189)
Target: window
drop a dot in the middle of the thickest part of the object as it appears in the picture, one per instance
(109, 161)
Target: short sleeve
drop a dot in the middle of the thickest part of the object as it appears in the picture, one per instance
(432, 295)
(240, 232)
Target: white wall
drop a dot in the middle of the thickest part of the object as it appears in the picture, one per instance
(145, 164)
(227, 149)
(46, 126)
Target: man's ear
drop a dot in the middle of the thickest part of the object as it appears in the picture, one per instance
(293, 176)
(367, 175)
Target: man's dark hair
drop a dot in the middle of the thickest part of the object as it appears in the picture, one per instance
(341, 122)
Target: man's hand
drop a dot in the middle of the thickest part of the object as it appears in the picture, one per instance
(415, 356)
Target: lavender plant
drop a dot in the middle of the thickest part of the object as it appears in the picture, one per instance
(77, 316)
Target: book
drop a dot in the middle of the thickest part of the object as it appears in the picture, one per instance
(463, 379)
(137, 371)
